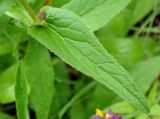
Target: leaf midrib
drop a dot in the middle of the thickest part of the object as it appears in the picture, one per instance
(127, 88)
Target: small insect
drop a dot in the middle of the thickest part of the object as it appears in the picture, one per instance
(42, 16)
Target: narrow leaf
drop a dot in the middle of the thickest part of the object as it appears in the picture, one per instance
(39, 73)
(4, 5)
(69, 38)
(123, 22)
(96, 13)
(21, 94)
(19, 13)
(137, 12)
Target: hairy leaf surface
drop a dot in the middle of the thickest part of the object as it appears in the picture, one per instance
(39, 73)
(69, 38)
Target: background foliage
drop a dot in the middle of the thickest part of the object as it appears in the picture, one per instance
(50, 52)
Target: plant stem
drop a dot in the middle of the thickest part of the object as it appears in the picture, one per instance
(146, 22)
(152, 30)
(76, 97)
(48, 2)
(29, 9)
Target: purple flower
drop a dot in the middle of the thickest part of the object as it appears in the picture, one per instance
(108, 115)
(111, 115)
(96, 117)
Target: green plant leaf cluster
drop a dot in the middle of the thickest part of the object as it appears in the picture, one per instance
(65, 58)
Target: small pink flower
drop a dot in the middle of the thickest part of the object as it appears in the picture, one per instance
(42, 16)
(109, 115)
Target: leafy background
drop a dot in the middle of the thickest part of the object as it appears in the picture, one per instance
(44, 86)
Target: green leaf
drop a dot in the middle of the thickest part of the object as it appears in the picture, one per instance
(155, 110)
(19, 13)
(16, 36)
(3, 22)
(5, 116)
(123, 22)
(75, 112)
(137, 12)
(152, 96)
(5, 61)
(122, 108)
(62, 84)
(69, 38)
(7, 84)
(145, 72)
(128, 51)
(21, 91)
(39, 72)
(142, 116)
(59, 3)
(4, 5)
(5, 43)
(5, 46)
(37, 5)
(96, 13)
(76, 97)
